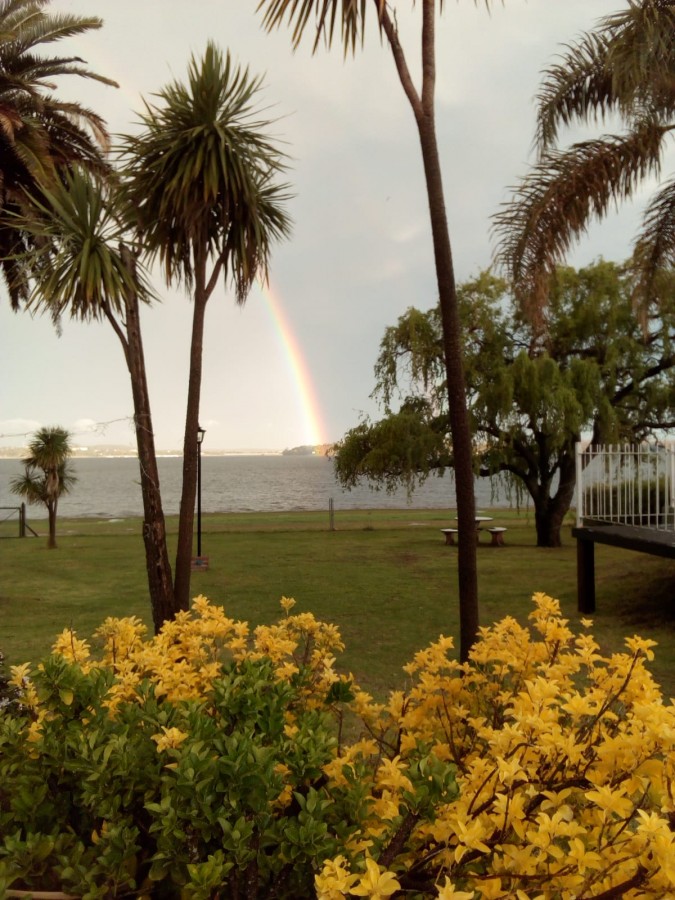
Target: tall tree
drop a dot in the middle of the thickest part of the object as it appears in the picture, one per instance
(48, 474)
(200, 178)
(349, 18)
(84, 265)
(598, 371)
(625, 67)
(40, 134)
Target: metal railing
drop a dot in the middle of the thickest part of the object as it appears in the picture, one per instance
(627, 484)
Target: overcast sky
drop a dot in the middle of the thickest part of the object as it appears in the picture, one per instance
(300, 369)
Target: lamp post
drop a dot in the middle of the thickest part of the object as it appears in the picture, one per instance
(200, 438)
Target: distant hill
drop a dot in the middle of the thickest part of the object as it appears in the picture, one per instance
(106, 451)
(308, 450)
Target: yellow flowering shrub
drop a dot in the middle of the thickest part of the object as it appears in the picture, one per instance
(209, 760)
(565, 763)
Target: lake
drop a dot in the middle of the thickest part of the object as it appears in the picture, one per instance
(110, 487)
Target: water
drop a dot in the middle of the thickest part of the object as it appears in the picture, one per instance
(110, 488)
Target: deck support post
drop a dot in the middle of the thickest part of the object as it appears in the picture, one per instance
(585, 576)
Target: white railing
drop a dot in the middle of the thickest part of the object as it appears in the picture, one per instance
(631, 484)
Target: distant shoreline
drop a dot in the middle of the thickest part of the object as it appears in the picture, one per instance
(116, 452)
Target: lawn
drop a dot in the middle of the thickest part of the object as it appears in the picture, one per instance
(384, 577)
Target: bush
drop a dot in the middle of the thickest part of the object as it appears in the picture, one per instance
(206, 762)
(7, 692)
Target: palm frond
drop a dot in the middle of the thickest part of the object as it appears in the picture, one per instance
(655, 247)
(325, 16)
(578, 87)
(195, 171)
(626, 65)
(40, 136)
(76, 265)
(556, 200)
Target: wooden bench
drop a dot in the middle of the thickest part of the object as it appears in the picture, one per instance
(497, 535)
(449, 535)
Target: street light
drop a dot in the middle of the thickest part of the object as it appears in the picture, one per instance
(200, 438)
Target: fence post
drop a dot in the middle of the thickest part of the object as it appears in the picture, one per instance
(22, 520)
(331, 514)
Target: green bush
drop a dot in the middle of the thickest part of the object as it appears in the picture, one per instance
(208, 762)
(7, 693)
(189, 765)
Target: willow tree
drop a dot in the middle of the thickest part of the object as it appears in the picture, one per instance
(599, 370)
(326, 18)
(624, 68)
(200, 178)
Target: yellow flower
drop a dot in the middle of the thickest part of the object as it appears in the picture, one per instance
(390, 774)
(611, 801)
(287, 604)
(34, 735)
(641, 646)
(376, 883)
(585, 859)
(335, 880)
(19, 675)
(448, 892)
(172, 738)
(70, 647)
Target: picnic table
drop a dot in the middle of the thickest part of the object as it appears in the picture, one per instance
(496, 532)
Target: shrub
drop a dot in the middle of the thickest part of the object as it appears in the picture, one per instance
(209, 762)
(7, 692)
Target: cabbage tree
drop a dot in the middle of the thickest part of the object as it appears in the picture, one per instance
(47, 473)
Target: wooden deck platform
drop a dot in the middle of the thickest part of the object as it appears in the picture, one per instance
(657, 542)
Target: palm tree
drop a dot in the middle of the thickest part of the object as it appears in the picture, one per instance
(200, 180)
(40, 135)
(84, 265)
(624, 67)
(47, 473)
(350, 19)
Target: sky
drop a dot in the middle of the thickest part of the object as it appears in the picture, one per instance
(294, 365)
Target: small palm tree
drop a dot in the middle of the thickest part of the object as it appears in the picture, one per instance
(47, 473)
(200, 178)
(40, 135)
(625, 67)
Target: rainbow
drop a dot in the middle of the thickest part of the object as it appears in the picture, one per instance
(315, 429)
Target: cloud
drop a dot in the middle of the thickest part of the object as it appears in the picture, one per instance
(361, 249)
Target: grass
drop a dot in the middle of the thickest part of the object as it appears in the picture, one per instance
(384, 577)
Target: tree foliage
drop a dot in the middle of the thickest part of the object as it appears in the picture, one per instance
(624, 68)
(201, 184)
(196, 188)
(41, 135)
(594, 369)
(47, 474)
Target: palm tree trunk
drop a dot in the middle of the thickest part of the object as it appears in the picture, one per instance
(460, 428)
(190, 449)
(160, 583)
(51, 513)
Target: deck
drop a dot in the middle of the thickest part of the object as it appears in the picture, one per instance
(657, 542)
